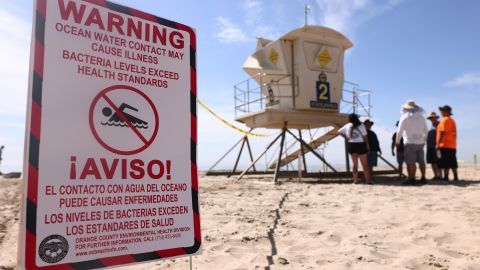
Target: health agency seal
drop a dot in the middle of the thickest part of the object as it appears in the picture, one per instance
(53, 248)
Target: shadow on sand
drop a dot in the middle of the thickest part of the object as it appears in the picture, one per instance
(381, 180)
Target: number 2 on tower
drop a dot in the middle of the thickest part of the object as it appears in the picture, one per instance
(323, 92)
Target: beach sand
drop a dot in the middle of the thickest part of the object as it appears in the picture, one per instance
(316, 224)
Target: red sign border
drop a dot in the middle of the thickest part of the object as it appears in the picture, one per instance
(33, 149)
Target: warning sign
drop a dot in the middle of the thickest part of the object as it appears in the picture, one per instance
(323, 58)
(273, 57)
(111, 174)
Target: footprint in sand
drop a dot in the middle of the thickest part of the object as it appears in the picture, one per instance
(236, 251)
(334, 238)
(455, 254)
(384, 254)
(428, 262)
(217, 247)
(325, 262)
(355, 209)
(315, 234)
(445, 238)
(421, 239)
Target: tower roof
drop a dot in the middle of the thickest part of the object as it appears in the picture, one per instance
(319, 32)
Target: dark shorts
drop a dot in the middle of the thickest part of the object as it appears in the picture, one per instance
(432, 155)
(448, 160)
(372, 159)
(357, 148)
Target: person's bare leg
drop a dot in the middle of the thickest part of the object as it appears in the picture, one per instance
(400, 169)
(455, 174)
(411, 170)
(422, 169)
(354, 158)
(366, 171)
(436, 171)
(440, 172)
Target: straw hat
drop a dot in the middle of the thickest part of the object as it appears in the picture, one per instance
(432, 115)
(409, 104)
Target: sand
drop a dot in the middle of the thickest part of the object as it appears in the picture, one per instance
(312, 224)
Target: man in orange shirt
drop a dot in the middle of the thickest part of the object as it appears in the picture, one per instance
(447, 142)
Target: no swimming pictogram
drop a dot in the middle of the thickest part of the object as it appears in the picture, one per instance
(123, 120)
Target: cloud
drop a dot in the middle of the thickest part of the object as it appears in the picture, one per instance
(470, 79)
(253, 26)
(265, 31)
(14, 27)
(347, 15)
(253, 11)
(230, 32)
(339, 14)
(255, 16)
(14, 52)
(11, 124)
(259, 21)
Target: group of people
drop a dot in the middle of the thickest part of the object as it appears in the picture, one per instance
(441, 140)
(409, 142)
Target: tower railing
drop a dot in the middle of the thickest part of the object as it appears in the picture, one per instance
(356, 100)
(249, 97)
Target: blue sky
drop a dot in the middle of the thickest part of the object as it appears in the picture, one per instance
(426, 50)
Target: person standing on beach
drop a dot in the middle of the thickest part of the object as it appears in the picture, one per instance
(431, 146)
(447, 142)
(413, 129)
(372, 156)
(400, 153)
(356, 135)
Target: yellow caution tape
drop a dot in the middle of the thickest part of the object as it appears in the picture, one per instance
(230, 125)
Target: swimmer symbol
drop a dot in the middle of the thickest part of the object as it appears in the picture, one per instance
(118, 121)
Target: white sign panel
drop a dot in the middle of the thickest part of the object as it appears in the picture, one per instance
(110, 175)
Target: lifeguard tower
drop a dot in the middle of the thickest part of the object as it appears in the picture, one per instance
(301, 77)
(296, 83)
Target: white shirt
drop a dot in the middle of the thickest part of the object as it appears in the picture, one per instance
(354, 135)
(413, 128)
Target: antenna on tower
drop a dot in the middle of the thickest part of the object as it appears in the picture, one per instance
(307, 10)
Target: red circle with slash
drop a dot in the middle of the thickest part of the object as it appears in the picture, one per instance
(146, 142)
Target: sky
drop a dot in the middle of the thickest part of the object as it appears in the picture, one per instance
(425, 50)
